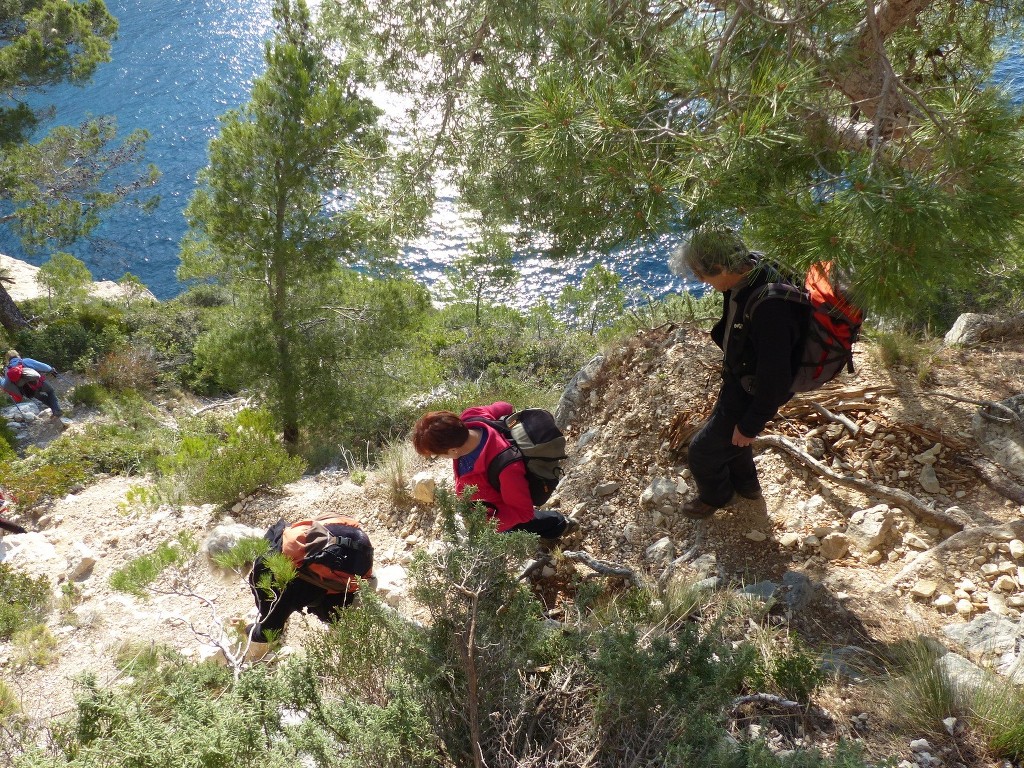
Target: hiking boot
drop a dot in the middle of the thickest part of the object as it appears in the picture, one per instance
(752, 492)
(571, 527)
(256, 651)
(695, 509)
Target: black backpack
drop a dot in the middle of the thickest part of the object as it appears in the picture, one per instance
(329, 551)
(534, 439)
(832, 328)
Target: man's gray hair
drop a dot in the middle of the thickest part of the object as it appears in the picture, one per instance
(710, 252)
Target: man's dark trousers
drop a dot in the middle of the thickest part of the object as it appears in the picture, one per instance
(718, 466)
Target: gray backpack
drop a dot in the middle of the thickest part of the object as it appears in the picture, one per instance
(534, 439)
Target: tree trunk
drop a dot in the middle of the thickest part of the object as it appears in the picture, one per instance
(10, 316)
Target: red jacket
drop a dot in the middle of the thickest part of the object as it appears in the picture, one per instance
(513, 503)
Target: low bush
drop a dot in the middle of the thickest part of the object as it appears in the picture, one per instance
(24, 600)
(125, 447)
(89, 395)
(225, 466)
(128, 367)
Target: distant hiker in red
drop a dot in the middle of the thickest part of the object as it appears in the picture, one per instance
(472, 448)
(24, 378)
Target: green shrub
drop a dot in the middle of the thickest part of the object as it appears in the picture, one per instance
(68, 342)
(225, 467)
(997, 714)
(34, 645)
(135, 577)
(89, 395)
(9, 702)
(24, 600)
(918, 693)
(128, 367)
(790, 670)
(8, 442)
(129, 446)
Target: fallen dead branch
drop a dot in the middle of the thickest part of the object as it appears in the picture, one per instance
(821, 410)
(991, 474)
(907, 501)
(974, 537)
(986, 408)
(773, 700)
(605, 568)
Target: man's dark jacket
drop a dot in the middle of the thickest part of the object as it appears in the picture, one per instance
(760, 359)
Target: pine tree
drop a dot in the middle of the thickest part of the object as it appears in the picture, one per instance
(870, 134)
(280, 209)
(57, 189)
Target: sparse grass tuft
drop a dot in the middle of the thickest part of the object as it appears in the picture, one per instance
(918, 693)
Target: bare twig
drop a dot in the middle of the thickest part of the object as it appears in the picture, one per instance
(967, 539)
(905, 500)
(821, 410)
(607, 569)
(779, 701)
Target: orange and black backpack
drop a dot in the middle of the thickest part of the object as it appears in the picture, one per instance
(330, 551)
(832, 328)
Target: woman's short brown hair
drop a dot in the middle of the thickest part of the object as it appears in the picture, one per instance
(437, 432)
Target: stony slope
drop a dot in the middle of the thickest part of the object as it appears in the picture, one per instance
(857, 567)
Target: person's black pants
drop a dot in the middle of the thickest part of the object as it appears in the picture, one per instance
(718, 466)
(48, 397)
(276, 605)
(546, 523)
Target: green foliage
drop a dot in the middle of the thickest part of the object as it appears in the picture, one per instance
(578, 127)
(125, 447)
(54, 206)
(598, 301)
(132, 288)
(509, 346)
(8, 442)
(176, 713)
(304, 136)
(34, 645)
(89, 395)
(129, 367)
(918, 693)
(897, 350)
(135, 577)
(222, 467)
(9, 702)
(66, 280)
(998, 716)
(483, 277)
(788, 669)
(24, 600)
(76, 339)
(243, 554)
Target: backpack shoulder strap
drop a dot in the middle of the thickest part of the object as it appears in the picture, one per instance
(508, 456)
(784, 291)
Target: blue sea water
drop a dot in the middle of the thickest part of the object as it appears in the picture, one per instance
(179, 64)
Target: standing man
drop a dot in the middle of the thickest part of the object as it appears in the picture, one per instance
(25, 378)
(758, 365)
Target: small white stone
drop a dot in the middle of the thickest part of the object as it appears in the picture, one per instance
(964, 607)
(945, 603)
(1005, 584)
